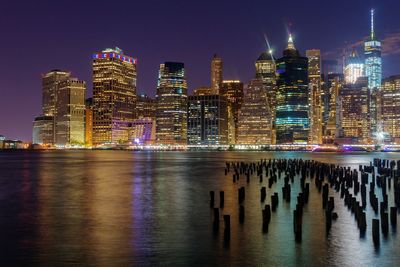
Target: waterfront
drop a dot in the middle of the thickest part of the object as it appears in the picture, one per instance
(123, 208)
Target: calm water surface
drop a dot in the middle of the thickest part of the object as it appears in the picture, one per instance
(122, 208)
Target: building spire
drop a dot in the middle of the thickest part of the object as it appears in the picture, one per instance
(290, 42)
(372, 24)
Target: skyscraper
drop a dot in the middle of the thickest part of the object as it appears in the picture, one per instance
(207, 120)
(233, 91)
(390, 107)
(255, 120)
(114, 96)
(292, 111)
(353, 67)
(216, 74)
(265, 70)
(373, 60)
(70, 113)
(50, 82)
(171, 104)
(334, 85)
(314, 76)
(50, 85)
(62, 122)
(354, 117)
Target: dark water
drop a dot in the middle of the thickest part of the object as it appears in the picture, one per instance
(120, 208)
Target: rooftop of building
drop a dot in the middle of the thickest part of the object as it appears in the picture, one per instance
(174, 66)
(231, 81)
(266, 55)
(113, 50)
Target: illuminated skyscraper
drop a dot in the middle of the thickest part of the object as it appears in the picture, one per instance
(70, 113)
(292, 111)
(216, 74)
(207, 120)
(233, 91)
(314, 76)
(265, 68)
(114, 96)
(255, 120)
(390, 107)
(63, 116)
(353, 68)
(266, 71)
(373, 60)
(50, 82)
(171, 104)
(354, 117)
(334, 84)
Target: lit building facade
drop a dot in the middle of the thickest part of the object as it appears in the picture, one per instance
(354, 117)
(390, 107)
(255, 120)
(114, 96)
(50, 86)
(207, 120)
(292, 110)
(43, 130)
(266, 71)
(203, 91)
(216, 74)
(171, 104)
(373, 59)
(143, 131)
(70, 113)
(232, 90)
(334, 84)
(145, 107)
(316, 105)
(89, 122)
(353, 68)
(50, 83)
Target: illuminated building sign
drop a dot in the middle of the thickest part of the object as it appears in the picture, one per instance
(115, 55)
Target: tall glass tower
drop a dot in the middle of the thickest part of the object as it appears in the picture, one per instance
(171, 104)
(373, 59)
(292, 102)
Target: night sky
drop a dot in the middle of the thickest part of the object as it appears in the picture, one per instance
(37, 36)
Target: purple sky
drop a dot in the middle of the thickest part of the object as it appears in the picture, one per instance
(37, 36)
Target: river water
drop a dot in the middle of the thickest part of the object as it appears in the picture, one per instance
(123, 208)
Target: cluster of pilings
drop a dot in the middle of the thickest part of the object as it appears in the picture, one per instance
(344, 181)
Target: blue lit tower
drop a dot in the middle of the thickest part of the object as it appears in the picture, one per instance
(373, 60)
(292, 110)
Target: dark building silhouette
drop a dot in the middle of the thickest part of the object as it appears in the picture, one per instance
(292, 110)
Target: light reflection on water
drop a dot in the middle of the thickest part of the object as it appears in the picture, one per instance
(120, 208)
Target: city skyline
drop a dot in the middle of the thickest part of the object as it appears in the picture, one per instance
(238, 59)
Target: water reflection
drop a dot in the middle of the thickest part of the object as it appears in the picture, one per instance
(120, 208)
